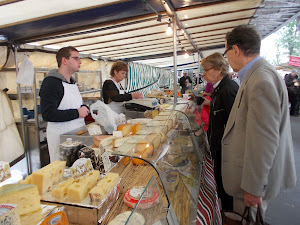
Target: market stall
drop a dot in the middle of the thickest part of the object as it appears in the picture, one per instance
(133, 31)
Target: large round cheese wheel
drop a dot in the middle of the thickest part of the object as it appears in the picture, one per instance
(136, 219)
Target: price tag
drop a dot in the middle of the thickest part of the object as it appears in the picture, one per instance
(106, 162)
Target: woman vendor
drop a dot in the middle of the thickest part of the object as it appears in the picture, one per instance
(113, 92)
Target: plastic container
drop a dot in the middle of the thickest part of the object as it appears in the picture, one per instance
(68, 151)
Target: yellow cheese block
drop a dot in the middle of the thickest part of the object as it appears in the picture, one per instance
(26, 196)
(80, 188)
(125, 128)
(49, 175)
(61, 191)
(104, 186)
(27, 180)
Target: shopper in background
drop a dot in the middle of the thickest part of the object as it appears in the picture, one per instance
(203, 102)
(290, 81)
(61, 102)
(185, 82)
(216, 71)
(257, 149)
(113, 92)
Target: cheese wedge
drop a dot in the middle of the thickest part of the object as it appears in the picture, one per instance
(136, 128)
(77, 191)
(49, 175)
(104, 186)
(154, 139)
(98, 139)
(26, 196)
(27, 180)
(117, 142)
(61, 191)
(125, 128)
(9, 215)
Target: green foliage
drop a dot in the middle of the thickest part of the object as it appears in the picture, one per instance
(290, 39)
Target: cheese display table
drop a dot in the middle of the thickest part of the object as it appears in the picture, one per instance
(155, 179)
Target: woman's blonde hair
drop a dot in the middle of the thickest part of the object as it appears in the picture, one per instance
(118, 66)
(216, 61)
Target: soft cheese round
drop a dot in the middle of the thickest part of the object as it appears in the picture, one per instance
(136, 219)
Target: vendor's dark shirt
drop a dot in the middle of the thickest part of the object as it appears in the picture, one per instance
(111, 93)
(51, 93)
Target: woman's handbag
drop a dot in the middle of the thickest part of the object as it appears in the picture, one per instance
(233, 218)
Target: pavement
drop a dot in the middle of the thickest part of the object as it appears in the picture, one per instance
(285, 208)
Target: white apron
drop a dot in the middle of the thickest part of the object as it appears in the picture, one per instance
(71, 100)
(117, 106)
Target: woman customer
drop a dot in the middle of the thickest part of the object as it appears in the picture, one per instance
(216, 71)
(113, 92)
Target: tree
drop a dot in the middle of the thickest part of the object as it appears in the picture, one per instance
(290, 38)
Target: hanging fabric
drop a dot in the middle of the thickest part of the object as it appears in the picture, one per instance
(208, 209)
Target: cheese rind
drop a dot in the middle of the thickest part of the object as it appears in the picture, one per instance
(26, 196)
(49, 175)
(136, 128)
(125, 128)
(80, 188)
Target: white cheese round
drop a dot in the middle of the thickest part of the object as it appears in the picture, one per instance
(136, 219)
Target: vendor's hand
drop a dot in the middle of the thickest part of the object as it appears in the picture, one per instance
(252, 200)
(83, 111)
(205, 102)
(137, 95)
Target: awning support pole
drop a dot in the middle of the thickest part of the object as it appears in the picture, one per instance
(27, 155)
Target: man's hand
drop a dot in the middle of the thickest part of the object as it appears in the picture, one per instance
(206, 94)
(205, 102)
(137, 95)
(252, 200)
(83, 111)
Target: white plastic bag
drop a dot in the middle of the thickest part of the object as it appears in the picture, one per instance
(106, 117)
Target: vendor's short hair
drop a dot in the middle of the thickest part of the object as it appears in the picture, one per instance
(246, 37)
(217, 62)
(64, 52)
(118, 66)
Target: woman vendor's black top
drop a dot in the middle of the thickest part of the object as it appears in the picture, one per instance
(111, 93)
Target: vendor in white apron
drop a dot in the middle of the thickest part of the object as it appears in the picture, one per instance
(113, 92)
(61, 102)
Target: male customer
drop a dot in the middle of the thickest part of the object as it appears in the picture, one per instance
(290, 81)
(185, 82)
(257, 149)
(61, 102)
